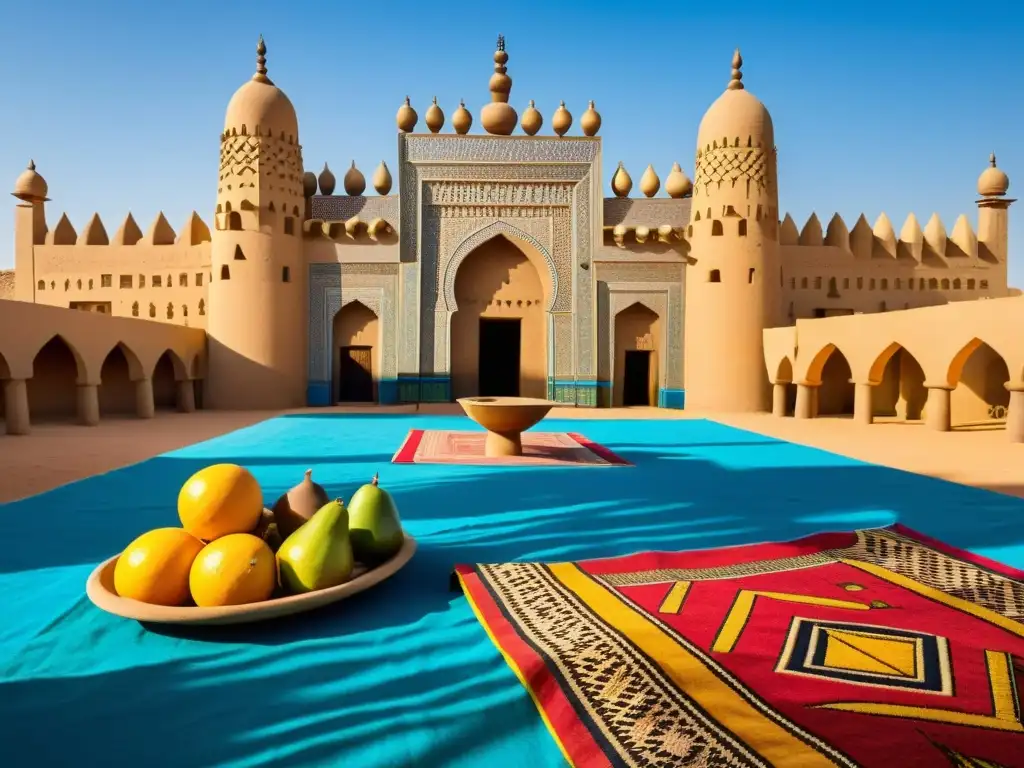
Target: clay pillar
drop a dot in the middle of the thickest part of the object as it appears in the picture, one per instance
(1014, 414)
(186, 396)
(16, 412)
(144, 406)
(937, 408)
(779, 398)
(806, 401)
(88, 404)
(862, 409)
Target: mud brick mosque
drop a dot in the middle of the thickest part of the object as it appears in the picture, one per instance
(494, 265)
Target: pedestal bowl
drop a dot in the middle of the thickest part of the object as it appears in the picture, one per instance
(505, 419)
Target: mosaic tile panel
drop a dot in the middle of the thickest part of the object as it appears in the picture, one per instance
(499, 149)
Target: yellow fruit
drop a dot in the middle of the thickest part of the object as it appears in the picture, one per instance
(236, 569)
(155, 567)
(218, 500)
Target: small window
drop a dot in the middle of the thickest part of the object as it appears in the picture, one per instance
(184, 310)
(126, 281)
(239, 255)
(41, 285)
(157, 281)
(945, 283)
(199, 279)
(142, 281)
(884, 284)
(170, 311)
(860, 283)
(715, 276)
(970, 285)
(716, 228)
(871, 284)
(803, 283)
(67, 284)
(792, 282)
(897, 283)
(90, 284)
(933, 284)
(183, 280)
(984, 285)
(846, 283)
(225, 272)
(202, 306)
(234, 220)
(289, 225)
(956, 284)
(750, 273)
(920, 284)
(742, 227)
(286, 274)
(79, 285)
(135, 309)
(817, 283)
(152, 309)
(106, 281)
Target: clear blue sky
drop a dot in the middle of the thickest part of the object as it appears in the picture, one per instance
(889, 106)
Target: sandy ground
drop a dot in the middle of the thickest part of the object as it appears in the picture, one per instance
(57, 454)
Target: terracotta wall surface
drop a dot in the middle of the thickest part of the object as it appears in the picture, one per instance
(90, 339)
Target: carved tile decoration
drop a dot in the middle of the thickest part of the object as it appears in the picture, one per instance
(344, 207)
(323, 279)
(554, 218)
(495, 149)
(646, 212)
(561, 335)
(730, 165)
(274, 164)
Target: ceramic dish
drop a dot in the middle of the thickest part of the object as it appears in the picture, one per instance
(100, 590)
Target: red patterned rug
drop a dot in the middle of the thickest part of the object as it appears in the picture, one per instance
(874, 648)
(440, 446)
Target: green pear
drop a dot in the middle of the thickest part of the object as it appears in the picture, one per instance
(373, 524)
(319, 554)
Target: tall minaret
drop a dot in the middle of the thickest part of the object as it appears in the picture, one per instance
(258, 296)
(733, 278)
(993, 212)
(29, 229)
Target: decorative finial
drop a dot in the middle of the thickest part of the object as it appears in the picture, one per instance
(261, 62)
(736, 83)
(501, 42)
(991, 160)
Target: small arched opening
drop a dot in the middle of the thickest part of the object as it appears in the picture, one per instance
(234, 220)
(715, 276)
(637, 352)
(169, 369)
(53, 388)
(899, 393)
(784, 377)
(980, 398)
(117, 387)
(356, 353)
(836, 393)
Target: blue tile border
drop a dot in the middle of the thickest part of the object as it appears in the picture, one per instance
(672, 398)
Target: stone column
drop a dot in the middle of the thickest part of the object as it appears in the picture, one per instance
(16, 412)
(88, 404)
(862, 409)
(779, 398)
(186, 396)
(937, 408)
(1014, 413)
(806, 401)
(144, 406)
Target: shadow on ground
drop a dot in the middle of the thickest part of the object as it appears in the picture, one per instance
(402, 675)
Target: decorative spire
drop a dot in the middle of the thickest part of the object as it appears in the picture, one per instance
(991, 160)
(261, 63)
(736, 83)
(501, 42)
(32, 163)
(498, 117)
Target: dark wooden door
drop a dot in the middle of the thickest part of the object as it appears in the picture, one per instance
(499, 357)
(355, 382)
(636, 389)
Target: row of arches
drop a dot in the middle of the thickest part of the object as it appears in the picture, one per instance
(54, 393)
(975, 394)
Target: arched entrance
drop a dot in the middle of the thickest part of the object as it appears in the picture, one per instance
(980, 397)
(784, 378)
(499, 329)
(836, 393)
(355, 359)
(637, 353)
(900, 393)
(166, 373)
(53, 388)
(117, 388)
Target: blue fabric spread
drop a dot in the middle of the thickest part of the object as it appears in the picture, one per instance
(402, 675)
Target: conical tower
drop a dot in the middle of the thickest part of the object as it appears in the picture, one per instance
(257, 316)
(732, 281)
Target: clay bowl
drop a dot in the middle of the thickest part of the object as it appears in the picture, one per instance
(100, 590)
(506, 414)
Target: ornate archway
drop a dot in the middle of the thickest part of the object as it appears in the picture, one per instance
(356, 354)
(637, 351)
(498, 331)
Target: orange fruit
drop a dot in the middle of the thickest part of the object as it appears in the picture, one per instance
(236, 569)
(155, 567)
(218, 500)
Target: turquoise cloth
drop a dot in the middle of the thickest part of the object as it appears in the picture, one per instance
(402, 675)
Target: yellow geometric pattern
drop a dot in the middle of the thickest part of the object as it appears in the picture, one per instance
(863, 652)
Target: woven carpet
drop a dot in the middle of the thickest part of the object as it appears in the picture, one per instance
(438, 446)
(879, 647)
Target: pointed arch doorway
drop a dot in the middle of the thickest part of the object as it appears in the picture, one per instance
(356, 354)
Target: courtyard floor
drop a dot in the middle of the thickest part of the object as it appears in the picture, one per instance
(404, 674)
